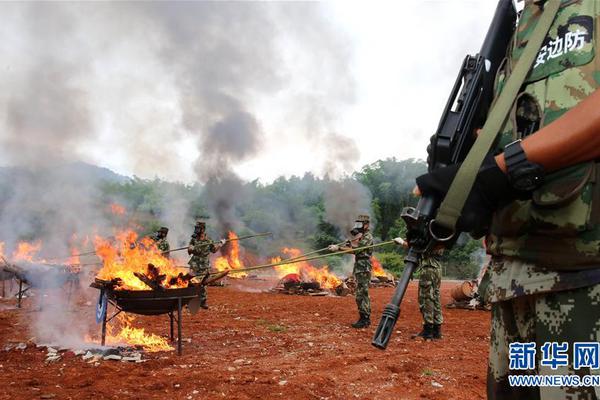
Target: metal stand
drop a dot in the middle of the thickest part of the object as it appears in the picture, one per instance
(105, 320)
(179, 326)
(21, 292)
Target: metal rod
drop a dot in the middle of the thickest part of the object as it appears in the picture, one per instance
(313, 252)
(226, 241)
(20, 295)
(171, 320)
(103, 339)
(179, 326)
(233, 271)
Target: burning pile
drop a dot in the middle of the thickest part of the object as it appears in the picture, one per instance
(137, 265)
(306, 271)
(231, 259)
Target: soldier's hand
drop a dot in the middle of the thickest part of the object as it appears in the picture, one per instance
(333, 247)
(190, 249)
(222, 242)
(401, 242)
(491, 191)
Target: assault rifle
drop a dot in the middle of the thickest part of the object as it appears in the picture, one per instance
(465, 111)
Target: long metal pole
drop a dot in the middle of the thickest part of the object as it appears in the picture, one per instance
(292, 261)
(226, 241)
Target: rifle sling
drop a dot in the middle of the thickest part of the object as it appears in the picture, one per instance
(452, 205)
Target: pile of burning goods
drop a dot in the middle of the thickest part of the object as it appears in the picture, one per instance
(295, 274)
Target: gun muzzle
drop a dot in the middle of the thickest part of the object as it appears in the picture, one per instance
(386, 326)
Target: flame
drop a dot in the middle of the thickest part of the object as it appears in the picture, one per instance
(231, 259)
(305, 270)
(135, 336)
(25, 251)
(117, 209)
(377, 268)
(128, 255)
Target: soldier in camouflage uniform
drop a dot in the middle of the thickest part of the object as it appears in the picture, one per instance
(200, 248)
(430, 279)
(160, 240)
(544, 276)
(362, 268)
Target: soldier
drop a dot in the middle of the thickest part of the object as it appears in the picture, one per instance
(542, 187)
(362, 268)
(200, 248)
(430, 305)
(160, 240)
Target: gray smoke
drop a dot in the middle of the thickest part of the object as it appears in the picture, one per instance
(344, 201)
(143, 81)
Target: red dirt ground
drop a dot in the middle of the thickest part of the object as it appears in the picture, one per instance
(291, 347)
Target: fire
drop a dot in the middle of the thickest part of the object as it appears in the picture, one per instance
(136, 336)
(117, 209)
(25, 251)
(128, 255)
(231, 260)
(377, 268)
(306, 271)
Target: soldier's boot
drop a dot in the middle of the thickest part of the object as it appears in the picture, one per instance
(204, 305)
(426, 332)
(436, 332)
(363, 322)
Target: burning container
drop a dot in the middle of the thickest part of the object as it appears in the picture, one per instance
(144, 302)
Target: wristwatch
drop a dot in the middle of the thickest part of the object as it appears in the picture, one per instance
(523, 175)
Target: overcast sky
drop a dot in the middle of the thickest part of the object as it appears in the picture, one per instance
(261, 89)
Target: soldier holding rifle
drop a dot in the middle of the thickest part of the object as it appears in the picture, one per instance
(537, 195)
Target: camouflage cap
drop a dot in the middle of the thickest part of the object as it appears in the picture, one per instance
(164, 229)
(201, 220)
(363, 218)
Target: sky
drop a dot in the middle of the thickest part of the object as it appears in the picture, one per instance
(191, 92)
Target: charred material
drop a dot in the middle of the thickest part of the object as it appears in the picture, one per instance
(293, 284)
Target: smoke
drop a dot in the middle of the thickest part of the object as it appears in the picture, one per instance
(344, 201)
(149, 86)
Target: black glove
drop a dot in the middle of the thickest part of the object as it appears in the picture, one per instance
(491, 191)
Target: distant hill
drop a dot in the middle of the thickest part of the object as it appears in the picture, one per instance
(74, 172)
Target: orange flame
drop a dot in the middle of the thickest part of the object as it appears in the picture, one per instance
(25, 251)
(117, 209)
(136, 336)
(377, 268)
(231, 260)
(306, 271)
(128, 255)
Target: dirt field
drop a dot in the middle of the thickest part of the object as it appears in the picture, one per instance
(265, 346)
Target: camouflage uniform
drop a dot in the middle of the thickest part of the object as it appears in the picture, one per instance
(162, 244)
(362, 274)
(199, 262)
(544, 277)
(430, 279)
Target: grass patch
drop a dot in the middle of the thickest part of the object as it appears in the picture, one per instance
(427, 372)
(273, 327)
